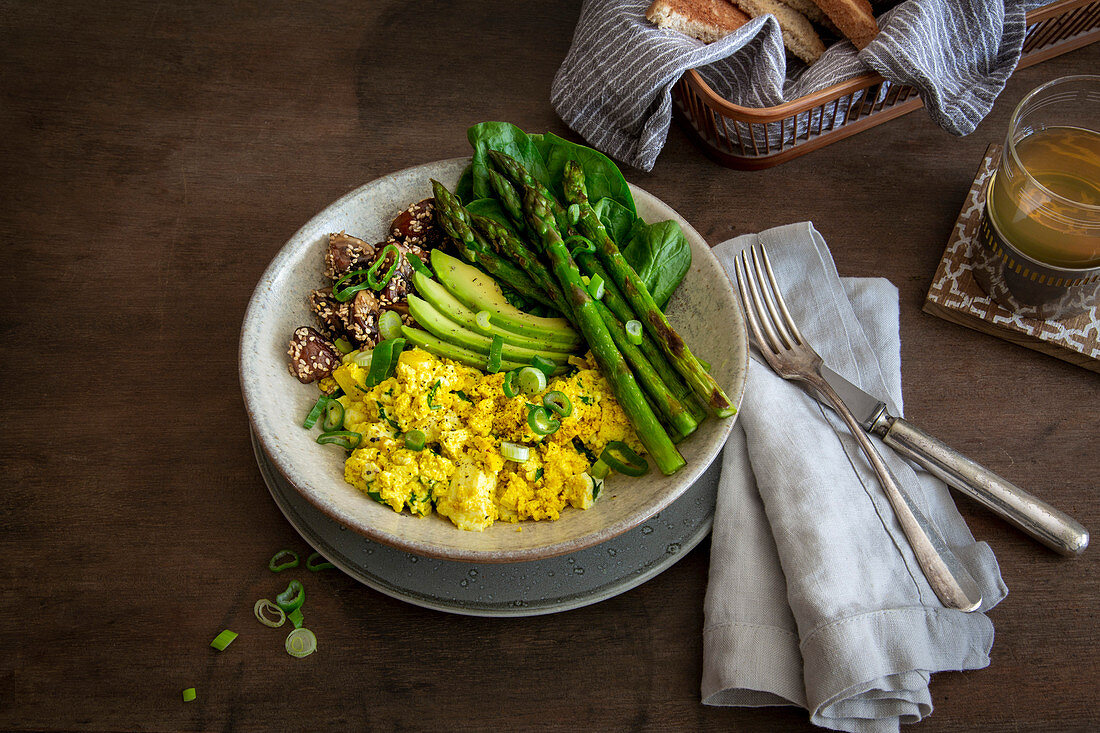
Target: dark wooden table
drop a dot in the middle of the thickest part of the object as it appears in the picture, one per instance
(154, 156)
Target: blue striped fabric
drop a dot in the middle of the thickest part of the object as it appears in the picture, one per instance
(615, 85)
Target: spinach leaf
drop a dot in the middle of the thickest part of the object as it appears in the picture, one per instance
(616, 219)
(490, 208)
(661, 256)
(505, 138)
(602, 177)
(464, 189)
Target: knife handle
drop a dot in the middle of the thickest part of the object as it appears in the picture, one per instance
(1053, 528)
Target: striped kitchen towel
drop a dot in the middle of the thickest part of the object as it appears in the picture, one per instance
(615, 85)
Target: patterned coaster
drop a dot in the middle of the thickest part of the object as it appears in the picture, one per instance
(956, 296)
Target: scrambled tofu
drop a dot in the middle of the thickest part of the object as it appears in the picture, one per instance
(465, 416)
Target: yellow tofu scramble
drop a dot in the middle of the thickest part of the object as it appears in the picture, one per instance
(465, 416)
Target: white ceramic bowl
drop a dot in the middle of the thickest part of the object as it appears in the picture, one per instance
(704, 310)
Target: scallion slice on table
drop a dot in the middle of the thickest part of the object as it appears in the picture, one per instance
(189, 694)
(558, 402)
(596, 287)
(509, 390)
(599, 470)
(540, 422)
(295, 617)
(620, 457)
(224, 639)
(414, 440)
(389, 324)
(283, 560)
(584, 244)
(495, 349)
(573, 214)
(343, 345)
(634, 332)
(291, 599)
(482, 319)
(301, 643)
(531, 380)
(264, 608)
(347, 439)
(363, 359)
(515, 452)
(314, 566)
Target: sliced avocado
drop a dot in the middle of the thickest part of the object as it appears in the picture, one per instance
(439, 347)
(479, 292)
(441, 299)
(442, 327)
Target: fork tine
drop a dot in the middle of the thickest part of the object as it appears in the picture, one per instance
(790, 322)
(756, 303)
(750, 310)
(770, 292)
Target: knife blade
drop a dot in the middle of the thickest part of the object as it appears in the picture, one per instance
(1048, 525)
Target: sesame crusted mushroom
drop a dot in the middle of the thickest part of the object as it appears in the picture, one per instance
(363, 318)
(346, 253)
(332, 315)
(417, 226)
(312, 356)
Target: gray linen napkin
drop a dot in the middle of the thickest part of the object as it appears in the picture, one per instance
(815, 598)
(614, 86)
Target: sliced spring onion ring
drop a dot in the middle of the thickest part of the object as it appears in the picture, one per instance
(345, 294)
(363, 358)
(509, 390)
(278, 564)
(544, 365)
(376, 281)
(224, 639)
(343, 345)
(573, 214)
(431, 397)
(318, 408)
(596, 287)
(292, 598)
(515, 452)
(414, 440)
(634, 332)
(482, 319)
(531, 380)
(264, 607)
(389, 325)
(383, 360)
(495, 348)
(585, 245)
(540, 422)
(189, 694)
(301, 643)
(599, 470)
(313, 566)
(346, 439)
(630, 464)
(558, 402)
(295, 617)
(333, 417)
(418, 264)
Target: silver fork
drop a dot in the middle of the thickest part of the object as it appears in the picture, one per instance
(786, 350)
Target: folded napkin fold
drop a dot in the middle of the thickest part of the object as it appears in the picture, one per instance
(615, 85)
(815, 598)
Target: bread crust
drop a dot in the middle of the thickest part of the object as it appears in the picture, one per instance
(854, 18)
(799, 35)
(706, 20)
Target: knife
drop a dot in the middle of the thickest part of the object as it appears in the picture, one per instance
(1048, 525)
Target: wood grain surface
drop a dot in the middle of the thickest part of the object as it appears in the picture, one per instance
(154, 156)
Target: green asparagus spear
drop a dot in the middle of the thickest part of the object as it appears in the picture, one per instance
(612, 364)
(673, 411)
(641, 301)
(455, 220)
(508, 245)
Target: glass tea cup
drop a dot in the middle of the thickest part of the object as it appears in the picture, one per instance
(1040, 235)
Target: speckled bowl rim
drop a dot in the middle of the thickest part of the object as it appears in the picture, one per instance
(680, 481)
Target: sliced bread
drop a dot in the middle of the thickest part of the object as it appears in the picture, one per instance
(706, 20)
(799, 35)
(854, 18)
